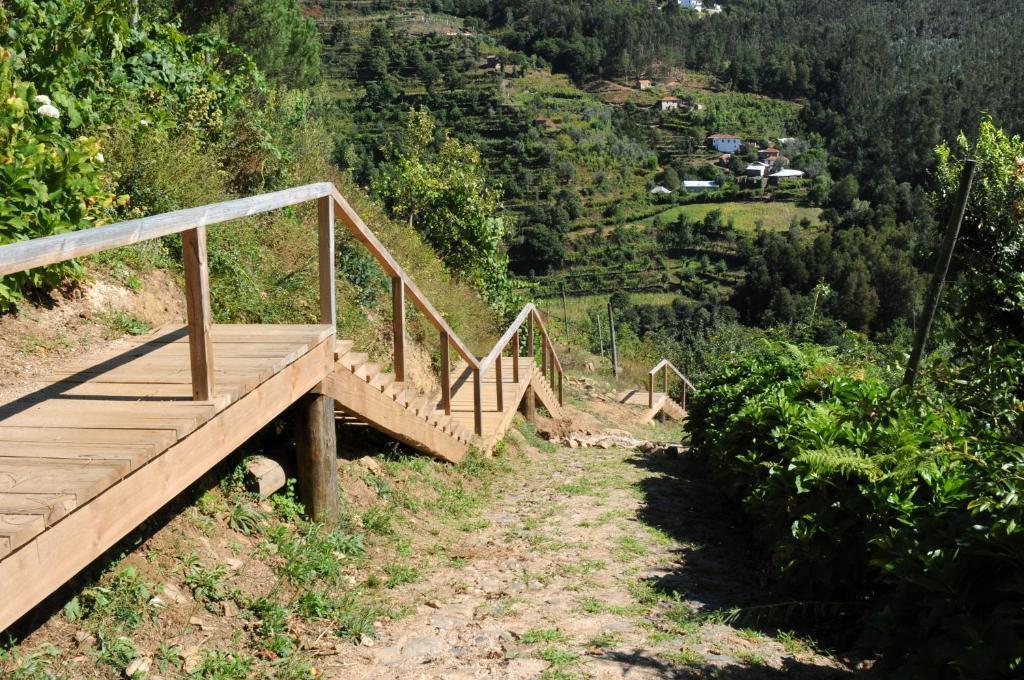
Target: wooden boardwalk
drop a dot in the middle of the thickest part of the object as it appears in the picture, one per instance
(98, 447)
(95, 448)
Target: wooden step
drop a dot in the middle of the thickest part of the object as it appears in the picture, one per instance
(383, 380)
(367, 371)
(353, 360)
(341, 348)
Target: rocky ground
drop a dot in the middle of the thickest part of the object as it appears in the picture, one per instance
(598, 563)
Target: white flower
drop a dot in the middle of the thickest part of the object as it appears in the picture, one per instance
(48, 110)
(144, 123)
(99, 157)
(42, 99)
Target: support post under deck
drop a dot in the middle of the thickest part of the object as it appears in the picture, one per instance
(317, 457)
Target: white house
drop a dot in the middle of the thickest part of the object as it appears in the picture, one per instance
(692, 4)
(669, 103)
(660, 190)
(725, 143)
(782, 175)
(696, 185)
(757, 169)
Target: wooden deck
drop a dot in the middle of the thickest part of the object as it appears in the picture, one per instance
(97, 447)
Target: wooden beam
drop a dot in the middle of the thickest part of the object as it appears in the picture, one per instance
(515, 356)
(325, 244)
(398, 326)
(498, 387)
(528, 407)
(197, 303)
(446, 375)
(478, 411)
(16, 257)
(317, 457)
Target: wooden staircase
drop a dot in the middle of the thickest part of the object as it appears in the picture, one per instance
(655, 403)
(103, 443)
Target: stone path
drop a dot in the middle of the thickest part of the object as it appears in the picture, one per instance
(595, 563)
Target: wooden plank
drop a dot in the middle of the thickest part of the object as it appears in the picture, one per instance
(20, 529)
(16, 257)
(51, 506)
(81, 479)
(325, 254)
(155, 437)
(72, 543)
(134, 455)
(197, 305)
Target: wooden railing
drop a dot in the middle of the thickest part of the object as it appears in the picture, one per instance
(664, 365)
(191, 223)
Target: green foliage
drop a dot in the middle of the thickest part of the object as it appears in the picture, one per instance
(890, 503)
(450, 200)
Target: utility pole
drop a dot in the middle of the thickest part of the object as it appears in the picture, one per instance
(945, 256)
(611, 330)
(600, 333)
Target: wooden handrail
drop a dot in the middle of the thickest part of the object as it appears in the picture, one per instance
(191, 223)
(665, 362)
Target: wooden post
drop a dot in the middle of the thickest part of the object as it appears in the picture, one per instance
(684, 396)
(565, 314)
(498, 387)
(515, 357)
(600, 333)
(561, 377)
(665, 379)
(543, 357)
(398, 326)
(529, 336)
(317, 455)
(197, 304)
(529, 405)
(611, 333)
(325, 240)
(650, 390)
(478, 415)
(931, 299)
(446, 376)
(554, 368)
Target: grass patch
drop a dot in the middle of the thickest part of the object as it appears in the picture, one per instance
(628, 548)
(684, 657)
(774, 216)
(549, 635)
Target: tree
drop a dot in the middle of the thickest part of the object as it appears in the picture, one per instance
(447, 197)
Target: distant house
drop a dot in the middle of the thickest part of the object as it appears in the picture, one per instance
(783, 141)
(769, 155)
(785, 175)
(643, 84)
(725, 143)
(757, 169)
(669, 104)
(492, 61)
(696, 185)
(660, 190)
(724, 160)
(699, 6)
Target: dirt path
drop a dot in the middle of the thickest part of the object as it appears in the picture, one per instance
(594, 563)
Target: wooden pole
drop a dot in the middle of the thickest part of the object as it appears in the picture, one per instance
(325, 244)
(565, 314)
(650, 390)
(529, 405)
(600, 333)
(398, 326)
(446, 376)
(611, 333)
(945, 256)
(515, 357)
(529, 336)
(197, 304)
(478, 415)
(665, 380)
(317, 457)
(561, 377)
(498, 387)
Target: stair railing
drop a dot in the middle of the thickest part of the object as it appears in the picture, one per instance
(664, 365)
(191, 223)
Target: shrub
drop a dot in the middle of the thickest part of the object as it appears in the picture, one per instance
(887, 502)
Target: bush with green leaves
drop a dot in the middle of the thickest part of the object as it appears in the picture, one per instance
(889, 504)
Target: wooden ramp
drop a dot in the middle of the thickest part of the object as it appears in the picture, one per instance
(99, 446)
